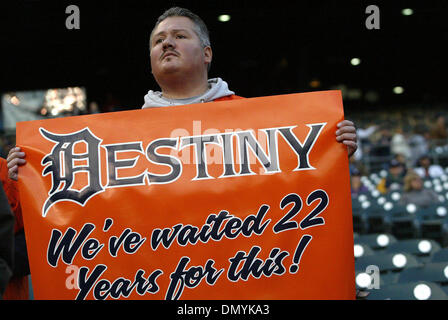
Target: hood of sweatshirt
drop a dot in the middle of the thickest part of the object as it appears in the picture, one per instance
(218, 88)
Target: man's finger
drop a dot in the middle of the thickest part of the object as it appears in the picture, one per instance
(344, 129)
(14, 149)
(16, 154)
(351, 147)
(12, 173)
(350, 143)
(15, 162)
(345, 123)
(346, 136)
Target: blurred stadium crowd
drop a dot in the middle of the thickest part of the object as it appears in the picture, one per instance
(399, 181)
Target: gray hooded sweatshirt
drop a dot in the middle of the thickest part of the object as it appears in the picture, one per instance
(218, 88)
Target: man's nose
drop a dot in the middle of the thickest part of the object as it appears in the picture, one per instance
(168, 43)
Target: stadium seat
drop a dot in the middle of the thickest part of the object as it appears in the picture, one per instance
(377, 217)
(433, 222)
(359, 216)
(440, 256)
(404, 223)
(433, 272)
(387, 261)
(435, 211)
(388, 265)
(436, 230)
(361, 250)
(421, 248)
(419, 290)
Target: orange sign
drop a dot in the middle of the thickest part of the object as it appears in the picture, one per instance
(241, 199)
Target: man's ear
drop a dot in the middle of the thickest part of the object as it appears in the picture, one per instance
(208, 54)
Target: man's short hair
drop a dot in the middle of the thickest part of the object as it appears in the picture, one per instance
(199, 26)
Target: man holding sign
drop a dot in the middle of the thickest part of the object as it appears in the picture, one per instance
(208, 212)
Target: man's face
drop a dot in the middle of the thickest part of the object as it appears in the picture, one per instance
(176, 48)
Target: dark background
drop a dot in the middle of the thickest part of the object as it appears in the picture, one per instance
(267, 48)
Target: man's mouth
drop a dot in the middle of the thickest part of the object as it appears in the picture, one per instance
(169, 54)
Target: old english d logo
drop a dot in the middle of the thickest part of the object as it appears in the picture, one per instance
(60, 163)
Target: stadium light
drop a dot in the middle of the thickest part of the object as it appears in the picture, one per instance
(407, 12)
(224, 18)
(398, 90)
(314, 83)
(355, 61)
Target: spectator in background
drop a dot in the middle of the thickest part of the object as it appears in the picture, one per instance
(415, 193)
(402, 160)
(418, 143)
(439, 132)
(357, 166)
(426, 169)
(357, 187)
(399, 144)
(381, 142)
(394, 179)
(363, 134)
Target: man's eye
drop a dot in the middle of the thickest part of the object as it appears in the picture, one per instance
(180, 36)
(158, 40)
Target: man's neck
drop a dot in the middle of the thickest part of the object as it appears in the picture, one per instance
(184, 89)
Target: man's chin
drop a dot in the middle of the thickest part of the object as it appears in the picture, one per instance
(170, 70)
(168, 65)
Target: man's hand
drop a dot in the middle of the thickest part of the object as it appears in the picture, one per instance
(15, 159)
(346, 134)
